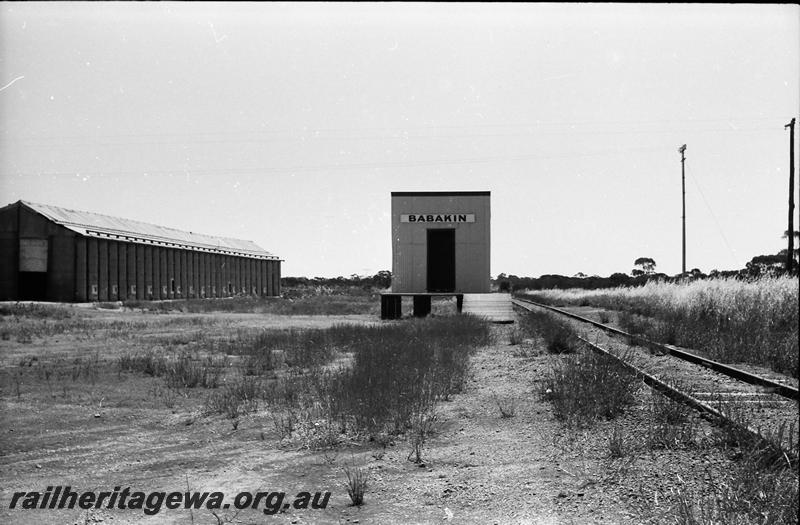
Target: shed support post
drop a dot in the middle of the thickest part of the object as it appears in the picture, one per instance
(422, 305)
(391, 307)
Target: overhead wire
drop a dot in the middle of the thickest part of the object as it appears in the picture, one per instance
(713, 215)
(394, 133)
(367, 165)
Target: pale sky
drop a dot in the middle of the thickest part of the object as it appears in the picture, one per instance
(290, 125)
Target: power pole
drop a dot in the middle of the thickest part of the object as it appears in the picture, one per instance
(682, 149)
(790, 231)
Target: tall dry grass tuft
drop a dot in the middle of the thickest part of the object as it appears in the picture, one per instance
(558, 335)
(586, 386)
(732, 320)
(357, 478)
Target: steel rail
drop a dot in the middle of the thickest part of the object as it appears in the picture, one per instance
(704, 408)
(736, 373)
(673, 393)
(668, 390)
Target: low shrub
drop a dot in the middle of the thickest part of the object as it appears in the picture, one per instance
(37, 311)
(558, 334)
(184, 370)
(149, 363)
(586, 386)
(750, 492)
(187, 371)
(396, 371)
(516, 337)
(421, 429)
(300, 305)
(236, 398)
(507, 406)
(669, 423)
(617, 447)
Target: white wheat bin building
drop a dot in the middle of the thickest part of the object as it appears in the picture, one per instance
(440, 242)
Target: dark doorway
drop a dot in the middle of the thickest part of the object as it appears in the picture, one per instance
(32, 286)
(441, 260)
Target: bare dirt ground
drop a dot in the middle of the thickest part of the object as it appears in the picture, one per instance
(478, 467)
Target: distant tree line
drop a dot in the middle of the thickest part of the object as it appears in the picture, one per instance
(380, 280)
(645, 270)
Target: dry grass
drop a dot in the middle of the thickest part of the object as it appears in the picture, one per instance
(732, 320)
(300, 301)
(396, 373)
(586, 386)
(357, 478)
(557, 334)
(323, 387)
(752, 490)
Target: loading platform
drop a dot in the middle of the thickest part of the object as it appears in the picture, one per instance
(496, 307)
(391, 303)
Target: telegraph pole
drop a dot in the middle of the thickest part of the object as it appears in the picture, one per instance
(790, 231)
(682, 149)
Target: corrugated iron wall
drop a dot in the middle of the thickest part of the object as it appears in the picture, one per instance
(102, 269)
(260, 277)
(237, 276)
(109, 270)
(147, 293)
(81, 268)
(9, 252)
(269, 277)
(163, 275)
(45, 269)
(92, 270)
(205, 276)
(130, 264)
(139, 264)
(113, 270)
(81, 285)
(122, 270)
(191, 265)
(472, 238)
(184, 273)
(61, 267)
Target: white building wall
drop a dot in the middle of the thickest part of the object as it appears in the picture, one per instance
(472, 239)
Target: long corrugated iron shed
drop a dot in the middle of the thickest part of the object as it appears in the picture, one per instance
(107, 227)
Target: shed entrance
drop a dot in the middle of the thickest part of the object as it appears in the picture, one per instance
(32, 286)
(441, 260)
(32, 276)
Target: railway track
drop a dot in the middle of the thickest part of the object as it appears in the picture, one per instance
(765, 408)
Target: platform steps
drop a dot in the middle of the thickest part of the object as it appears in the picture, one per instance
(496, 307)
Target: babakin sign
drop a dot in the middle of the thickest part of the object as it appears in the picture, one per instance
(438, 217)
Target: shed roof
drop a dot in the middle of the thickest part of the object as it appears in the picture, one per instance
(104, 226)
(441, 193)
